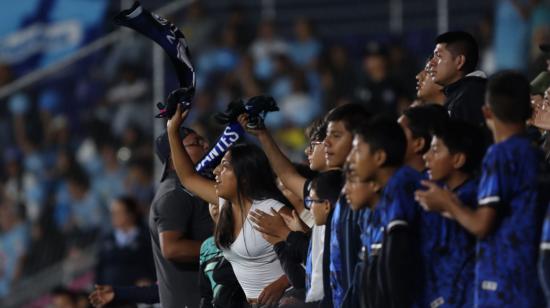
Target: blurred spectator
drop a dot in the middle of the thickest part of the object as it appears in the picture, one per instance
(109, 183)
(197, 27)
(128, 99)
(14, 241)
(511, 37)
(88, 215)
(13, 188)
(236, 19)
(484, 36)
(139, 183)
(540, 34)
(64, 298)
(338, 77)
(264, 47)
(305, 50)
(402, 67)
(247, 79)
(65, 164)
(375, 87)
(125, 256)
(222, 58)
(298, 107)
(134, 143)
(5, 120)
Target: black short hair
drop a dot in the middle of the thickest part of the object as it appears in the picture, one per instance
(382, 133)
(328, 185)
(142, 163)
(461, 43)
(424, 120)
(131, 206)
(317, 130)
(352, 115)
(508, 96)
(462, 137)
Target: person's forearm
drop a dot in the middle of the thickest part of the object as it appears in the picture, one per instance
(189, 178)
(283, 282)
(183, 250)
(469, 219)
(282, 165)
(181, 160)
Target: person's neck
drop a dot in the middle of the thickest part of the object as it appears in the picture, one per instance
(327, 168)
(384, 174)
(417, 163)
(241, 204)
(373, 201)
(438, 98)
(456, 179)
(454, 79)
(503, 131)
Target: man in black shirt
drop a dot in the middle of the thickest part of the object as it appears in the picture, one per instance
(179, 222)
(453, 66)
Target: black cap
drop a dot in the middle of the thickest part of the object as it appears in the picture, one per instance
(162, 146)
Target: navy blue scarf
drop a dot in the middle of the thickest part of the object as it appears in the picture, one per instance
(172, 40)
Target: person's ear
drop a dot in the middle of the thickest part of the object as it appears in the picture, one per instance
(460, 61)
(374, 186)
(380, 158)
(326, 207)
(458, 160)
(487, 112)
(418, 144)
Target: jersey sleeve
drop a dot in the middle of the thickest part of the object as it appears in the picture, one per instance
(490, 192)
(401, 208)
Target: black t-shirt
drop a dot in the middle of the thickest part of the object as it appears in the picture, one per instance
(174, 209)
(465, 98)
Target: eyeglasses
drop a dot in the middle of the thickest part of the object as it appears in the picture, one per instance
(308, 202)
(312, 145)
(199, 142)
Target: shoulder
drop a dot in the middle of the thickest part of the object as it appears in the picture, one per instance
(406, 178)
(172, 193)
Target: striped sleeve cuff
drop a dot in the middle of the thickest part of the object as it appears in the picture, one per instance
(489, 200)
(396, 223)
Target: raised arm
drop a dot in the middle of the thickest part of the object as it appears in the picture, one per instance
(189, 178)
(279, 162)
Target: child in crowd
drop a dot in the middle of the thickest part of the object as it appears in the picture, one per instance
(378, 155)
(453, 161)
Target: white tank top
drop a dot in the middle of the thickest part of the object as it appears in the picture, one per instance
(253, 259)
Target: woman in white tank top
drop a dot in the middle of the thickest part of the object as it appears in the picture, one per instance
(244, 182)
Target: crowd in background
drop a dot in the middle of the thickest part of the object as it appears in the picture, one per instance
(68, 167)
